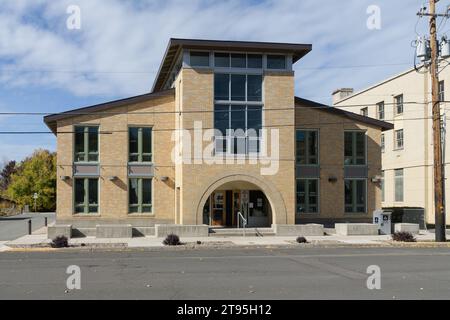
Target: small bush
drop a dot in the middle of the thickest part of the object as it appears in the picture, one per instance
(172, 240)
(403, 237)
(302, 240)
(199, 242)
(60, 242)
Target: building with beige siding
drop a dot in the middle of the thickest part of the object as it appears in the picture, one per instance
(221, 140)
(405, 101)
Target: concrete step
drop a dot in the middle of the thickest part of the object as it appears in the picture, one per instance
(234, 232)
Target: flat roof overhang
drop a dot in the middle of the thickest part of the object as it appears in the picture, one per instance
(176, 46)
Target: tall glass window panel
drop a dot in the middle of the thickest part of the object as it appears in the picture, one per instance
(93, 195)
(222, 60)
(238, 60)
(355, 148)
(146, 144)
(307, 147)
(86, 195)
(79, 144)
(355, 196)
(79, 195)
(238, 87)
(134, 195)
(238, 124)
(254, 88)
(93, 144)
(276, 62)
(86, 144)
(222, 86)
(254, 61)
(146, 195)
(200, 59)
(254, 126)
(307, 196)
(134, 144)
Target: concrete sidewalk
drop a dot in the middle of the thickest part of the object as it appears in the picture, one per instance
(39, 240)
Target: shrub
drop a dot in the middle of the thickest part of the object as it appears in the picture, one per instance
(199, 242)
(302, 240)
(403, 237)
(60, 242)
(172, 240)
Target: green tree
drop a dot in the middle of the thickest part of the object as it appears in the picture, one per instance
(5, 175)
(35, 174)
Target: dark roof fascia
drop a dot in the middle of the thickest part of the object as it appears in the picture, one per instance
(298, 50)
(300, 102)
(51, 120)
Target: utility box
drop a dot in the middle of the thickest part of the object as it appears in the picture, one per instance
(384, 221)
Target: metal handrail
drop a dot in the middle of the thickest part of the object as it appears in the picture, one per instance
(244, 222)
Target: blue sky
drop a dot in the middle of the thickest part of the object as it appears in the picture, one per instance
(44, 67)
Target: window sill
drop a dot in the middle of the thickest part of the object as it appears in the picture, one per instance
(352, 214)
(87, 163)
(398, 149)
(84, 215)
(141, 163)
(141, 215)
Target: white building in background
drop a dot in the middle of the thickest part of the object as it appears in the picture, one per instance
(407, 159)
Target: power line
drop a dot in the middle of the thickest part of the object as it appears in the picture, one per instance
(80, 113)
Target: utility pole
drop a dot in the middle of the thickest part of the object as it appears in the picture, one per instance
(439, 209)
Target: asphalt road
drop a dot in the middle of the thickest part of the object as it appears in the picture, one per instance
(304, 273)
(16, 226)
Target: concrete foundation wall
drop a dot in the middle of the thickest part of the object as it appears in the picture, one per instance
(356, 229)
(114, 231)
(298, 230)
(161, 231)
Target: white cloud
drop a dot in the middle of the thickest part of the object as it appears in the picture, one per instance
(121, 43)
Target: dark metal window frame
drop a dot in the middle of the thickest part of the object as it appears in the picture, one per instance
(140, 154)
(307, 205)
(86, 153)
(86, 205)
(307, 157)
(140, 190)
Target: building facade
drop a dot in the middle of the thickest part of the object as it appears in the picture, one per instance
(221, 134)
(407, 151)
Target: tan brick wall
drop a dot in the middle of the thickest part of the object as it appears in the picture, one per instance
(113, 145)
(331, 152)
(198, 88)
(194, 182)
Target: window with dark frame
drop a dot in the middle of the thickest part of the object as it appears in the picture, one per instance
(307, 146)
(86, 144)
(354, 148)
(239, 122)
(307, 195)
(140, 195)
(355, 195)
(86, 195)
(382, 144)
(140, 144)
(199, 59)
(276, 62)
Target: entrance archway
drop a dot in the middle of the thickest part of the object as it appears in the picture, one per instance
(259, 202)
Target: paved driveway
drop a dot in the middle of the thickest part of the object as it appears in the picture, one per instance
(17, 226)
